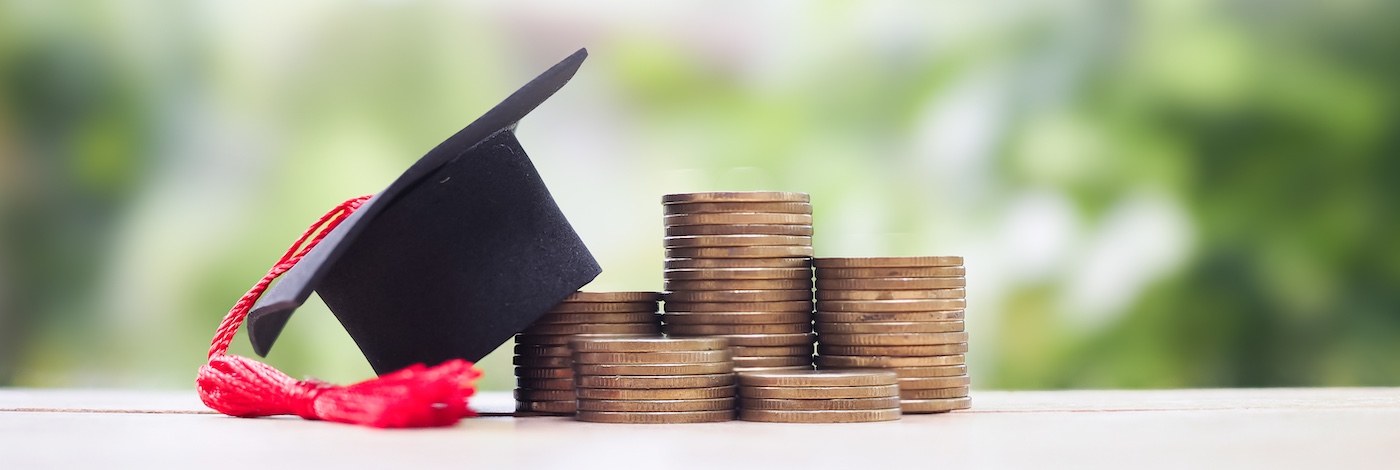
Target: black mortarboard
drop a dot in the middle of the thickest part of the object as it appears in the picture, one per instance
(462, 251)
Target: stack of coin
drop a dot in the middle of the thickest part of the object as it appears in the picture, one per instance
(653, 380)
(900, 314)
(543, 368)
(818, 396)
(738, 266)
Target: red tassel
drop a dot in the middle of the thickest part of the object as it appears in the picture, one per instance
(415, 396)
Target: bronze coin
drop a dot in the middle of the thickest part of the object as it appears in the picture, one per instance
(741, 252)
(933, 393)
(765, 340)
(534, 350)
(524, 394)
(544, 372)
(720, 207)
(926, 305)
(887, 317)
(864, 273)
(857, 362)
(563, 340)
(739, 295)
(737, 218)
(742, 284)
(553, 407)
(696, 241)
(920, 383)
(663, 357)
(654, 381)
(754, 351)
(701, 393)
(604, 307)
(654, 369)
(934, 371)
(818, 378)
(783, 306)
(727, 263)
(773, 361)
(734, 318)
(613, 297)
(832, 294)
(935, 405)
(648, 344)
(545, 384)
(750, 329)
(594, 328)
(891, 262)
(736, 273)
(575, 318)
(659, 406)
(772, 369)
(930, 350)
(893, 339)
(739, 229)
(735, 196)
(542, 361)
(890, 327)
(898, 283)
(819, 393)
(880, 403)
(819, 416)
(671, 417)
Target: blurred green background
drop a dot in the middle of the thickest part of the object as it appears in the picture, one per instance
(1158, 193)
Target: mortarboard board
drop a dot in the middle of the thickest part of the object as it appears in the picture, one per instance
(462, 251)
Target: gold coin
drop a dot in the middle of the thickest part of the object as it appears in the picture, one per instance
(890, 327)
(542, 361)
(742, 284)
(931, 350)
(818, 378)
(926, 305)
(886, 317)
(934, 371)
(545, 384)
(933, 393)
(695, 241)
(819, 393)
(773, 361)
(672, 417)
(893, 339)
(544, 372)
(739, 229)
(783, 306)
(750, 329)
(920, 383)
(863, 273)
(701, 393)
(755, 351)
(892, 262)
(533, 350)
(772, 263)
(741, 252)
(772, 369)
(736, 273)
(654, 381)
(880, 403)
(604, 307)
(664, 357)
(739, 295)
(738, 218)
(935, 405)
(613, 297)
(659, 406)
(832, 294)
(555, 407)
(575, 318)
(820, 416)
(594, 328)
(563, 340)
(720, 207)
(765, 340)
(648, 344)
(735, 196)
(734, 318)
(523, 394)
(898, 283)
(838, 362)
(654, 369)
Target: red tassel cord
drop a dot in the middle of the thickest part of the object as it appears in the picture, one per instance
(415, 396)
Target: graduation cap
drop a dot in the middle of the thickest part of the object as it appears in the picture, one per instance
(459, 253)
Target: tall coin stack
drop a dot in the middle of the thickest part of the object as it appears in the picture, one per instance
(899, 314)
(653, 380)
(818, 396)
(543, 365)
(738, 266)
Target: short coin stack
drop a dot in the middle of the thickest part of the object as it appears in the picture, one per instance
(819, 396)
(543, 367)
(653, 380)
(738, 266)
(904, 315)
